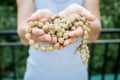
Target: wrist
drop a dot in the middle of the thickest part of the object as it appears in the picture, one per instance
(21, 33)
(95, 28)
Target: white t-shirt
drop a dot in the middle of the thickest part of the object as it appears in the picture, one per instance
(59, 64)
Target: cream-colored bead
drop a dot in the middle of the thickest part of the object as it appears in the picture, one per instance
(43, 48)
(68, 22)
(76, 24)
(65, 36)
(84, 42)
(36, 23)
(88, 29)
(63, 20)
(52, 32)
(31, 24)
(86, 47)
(51, 26)
(87, 51)
(73, 28)
(40, 25)
(28, 29)
(27, 35)
(36, 46)
(77, 17)
(81, 24)
(61, 40)
(83, 46)
(87, 23)
(72, 19)
(86, 37)
(45, 28)
(58, 29)
(84, 27)
(83, 19)
(64, 26)
(31, 41)
(59, 34)
(81, 51)
(82, 56)
(63, 30)
(56, 45)
(47, 23)
(50, 48)
(85, 61)
(87, 56)
(78, 48)
(85, 32)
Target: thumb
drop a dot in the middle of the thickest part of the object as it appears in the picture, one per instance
(89, 16)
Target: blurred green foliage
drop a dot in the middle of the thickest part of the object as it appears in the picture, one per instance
(110, 18)
(8, 16)
(110, 13)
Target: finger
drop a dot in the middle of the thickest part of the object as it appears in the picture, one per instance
(76, 9)
(63, 13)
(54, 39)
(37, 32)
(61, 47)
(70, 41)
(89, 16)
(83, 12)
(76, 33)
(35, 16)
(45, 38)
(39, 14)
(44, 20)
(48, 38)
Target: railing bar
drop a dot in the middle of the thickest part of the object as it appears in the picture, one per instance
(104, 61)
(106, 41)
(8, 32)
(0, 74)
(11, 44)
(117, 63)
(96, 42)
(117, 30)
(0, 70)
(105, 30)
(13, 62)
(91, 60)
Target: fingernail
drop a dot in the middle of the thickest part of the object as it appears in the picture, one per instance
(66, 43)
(61, 48)
(93, 17)
(47, 38)
(41, 32)
(54, 39)
(71, 34)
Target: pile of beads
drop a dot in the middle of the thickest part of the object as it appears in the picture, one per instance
(59, 26)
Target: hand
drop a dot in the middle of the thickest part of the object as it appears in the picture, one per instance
(76, 9)
(41, 15)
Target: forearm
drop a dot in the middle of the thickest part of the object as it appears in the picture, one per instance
(95, 28)
(22, 15)
(93, 7)
(21, 33)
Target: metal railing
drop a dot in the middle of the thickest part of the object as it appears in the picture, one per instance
(106, 44)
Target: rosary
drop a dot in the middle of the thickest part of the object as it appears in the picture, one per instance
(60, 30)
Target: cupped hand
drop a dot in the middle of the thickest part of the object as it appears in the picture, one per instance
(76, 9)
(41, 15)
